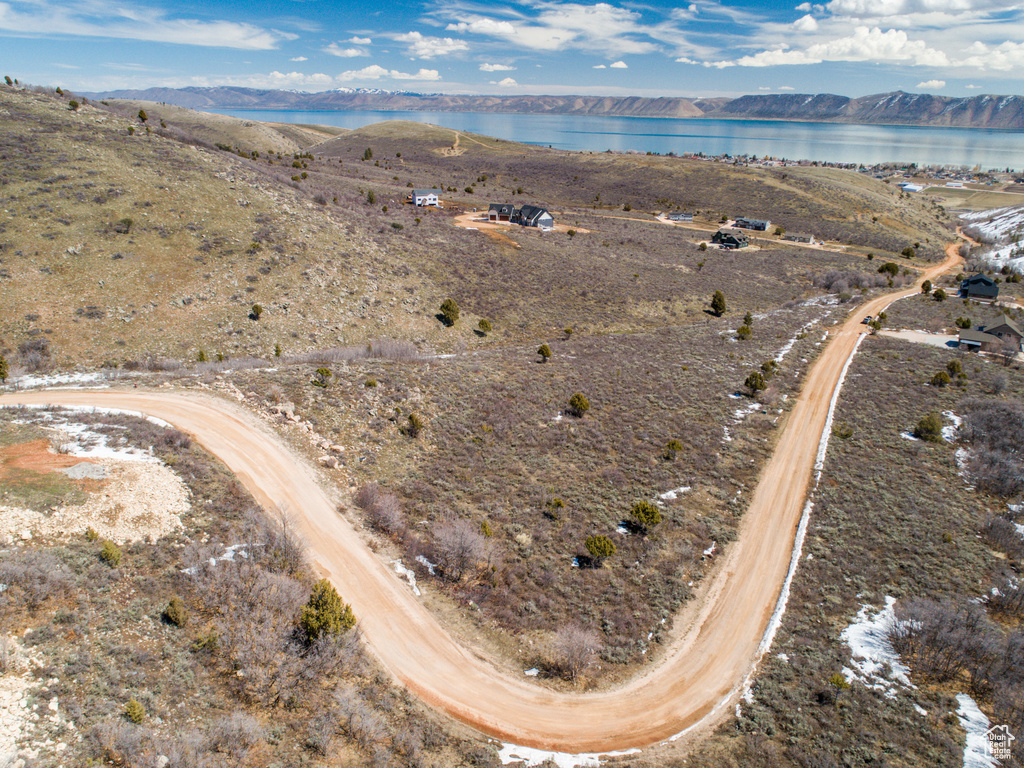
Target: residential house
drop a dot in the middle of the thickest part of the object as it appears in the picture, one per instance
(534, 216)
(500, 212)
(729, 239)
(798, 237)
(680, 217)
(980, 287)
(424, 197)
(1007, 331)
(978, 341)
(760, 225)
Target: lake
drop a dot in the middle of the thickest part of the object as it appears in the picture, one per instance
(827, 142)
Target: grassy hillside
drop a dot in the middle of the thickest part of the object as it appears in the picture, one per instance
(145, 246)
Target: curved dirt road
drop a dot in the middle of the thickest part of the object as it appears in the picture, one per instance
(715, 640)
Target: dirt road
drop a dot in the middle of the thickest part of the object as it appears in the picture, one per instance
(715, 641)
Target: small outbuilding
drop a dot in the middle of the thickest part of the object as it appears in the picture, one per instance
(424, 197)
(980, 287)
(730, 239)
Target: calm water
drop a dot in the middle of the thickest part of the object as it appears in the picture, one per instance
(829, 142)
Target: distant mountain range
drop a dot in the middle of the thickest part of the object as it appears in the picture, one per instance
(898, 108)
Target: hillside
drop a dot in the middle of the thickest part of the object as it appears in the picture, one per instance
(899, 108)
(280, 267)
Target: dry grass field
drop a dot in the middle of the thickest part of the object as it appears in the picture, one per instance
(142, 247)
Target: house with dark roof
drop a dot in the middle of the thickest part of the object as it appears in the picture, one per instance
(424, 197)
(980, 287)
(680, 217)
(534, 216)
(978, 341)
(1007, 331)
(500, 212)
(761, 225)
(729, 239)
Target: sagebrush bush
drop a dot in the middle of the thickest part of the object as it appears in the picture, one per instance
(110, 553)
(134, 711)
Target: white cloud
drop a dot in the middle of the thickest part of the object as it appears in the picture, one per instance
(685, 60)
(1004, 57)
(299, 58)
(359, 40)
(972, 87)
(376, 72)
(483, 26)
(345, 53)
(763, 88)
(600, 66)
(863, 45)
(496, 68)
(806, 24)
(423, 47)
(127, 22)
(508, 82)
(805, 7)
(619, 65)
(556, 26)
(786, 88)
(931, 84)
(877, 9)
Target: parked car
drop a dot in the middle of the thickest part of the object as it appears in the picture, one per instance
(867, 320)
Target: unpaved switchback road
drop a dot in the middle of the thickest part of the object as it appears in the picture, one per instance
(715, 639)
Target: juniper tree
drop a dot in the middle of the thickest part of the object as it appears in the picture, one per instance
(718, 303)
(325, 613)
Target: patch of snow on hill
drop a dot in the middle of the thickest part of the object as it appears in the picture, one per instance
(973, 720)
(998, 227)
(874, 662)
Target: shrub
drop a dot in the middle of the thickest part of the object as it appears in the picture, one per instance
(371, 198)
(414, 425)
(143, 117)
(748, 320)
(718, 303)
(134, 711)
(599, 547)
(123, 226)
(890, 268)
(755, 382)
(176, 613)
(90, 534)
(939, 294)
(672, 449)
(574, 649)
(484, 326)
(954, 367)
(458, 546)
(963, 322)
(322, 377)
(4, 370)
(743, 332)
(940, 379)
(926, 286)
(449, 312)
(110, 553)
(368, 154)
(257, 310)
(277, 350)
(73, 105)
(578, 405)
(325, 613)
(646, 515)
(909, 252)
(544, 352)
(929, 428)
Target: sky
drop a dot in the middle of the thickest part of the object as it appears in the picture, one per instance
(705, 48)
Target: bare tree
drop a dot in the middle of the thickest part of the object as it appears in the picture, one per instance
(458, 545)
(574, 649)
(1008, 350)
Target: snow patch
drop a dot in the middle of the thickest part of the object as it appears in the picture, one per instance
(58, 379)
(531, 672)
(510, 753)
(409, 575)
(973, 721)
(909, 436)
(228, 556)
(426, 564)
(949, 432)
(674, 494)
(875, 664)
(710, 550)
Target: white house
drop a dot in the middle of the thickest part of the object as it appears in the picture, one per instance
(422, 197)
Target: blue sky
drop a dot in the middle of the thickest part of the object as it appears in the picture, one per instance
(704, 48)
